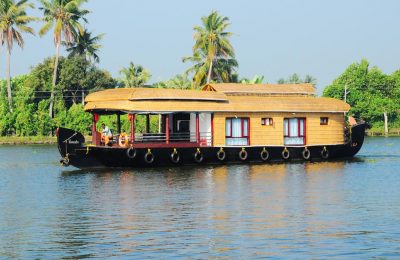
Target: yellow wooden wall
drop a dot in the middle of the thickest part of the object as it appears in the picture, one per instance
(316, 134)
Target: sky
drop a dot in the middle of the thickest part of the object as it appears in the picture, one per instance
(271, 38)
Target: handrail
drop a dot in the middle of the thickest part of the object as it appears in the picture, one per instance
(205, 138)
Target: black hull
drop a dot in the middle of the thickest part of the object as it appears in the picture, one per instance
(75, 153)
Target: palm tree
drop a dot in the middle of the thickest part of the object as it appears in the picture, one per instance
(295, 79)
(135, 76)
(65, 16)
(211, 49)
(310, 79)
(255, 80)
(177, 82)
(2, 12)
(86, 45)
(13, 22)
(223, 69)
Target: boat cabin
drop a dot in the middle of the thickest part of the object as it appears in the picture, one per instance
(222, 115)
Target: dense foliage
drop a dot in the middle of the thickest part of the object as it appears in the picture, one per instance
(370, 92)
(59, 85)
(76, 78)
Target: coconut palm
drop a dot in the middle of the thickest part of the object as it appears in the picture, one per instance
(2, 12)
(135, 76)
(86, 45)
(13, 22)
(177, 82)
(223, 69)
(310, 79)
(65, 17)
(255, 80)
(212, 49)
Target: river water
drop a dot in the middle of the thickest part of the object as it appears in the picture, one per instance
(343, 209)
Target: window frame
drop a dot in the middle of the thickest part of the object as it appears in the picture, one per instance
(242, 128)
(299, 134)
(323, 120)
(270, 121)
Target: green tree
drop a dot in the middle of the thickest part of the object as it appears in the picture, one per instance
(255, 80)
(86, 45)
(76, 77)
(13, 22)
(296, 79)
(213, 54)
(372, 95)
(179, 82)
(65, 16)
(134, 76)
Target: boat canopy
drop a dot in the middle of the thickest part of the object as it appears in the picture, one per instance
(231, 89)
(155, 100)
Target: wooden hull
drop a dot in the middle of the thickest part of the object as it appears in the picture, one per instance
(73, 152)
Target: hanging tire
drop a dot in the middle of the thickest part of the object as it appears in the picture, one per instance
(175, 158)
(325, 153)
(243, 155)
(149, 157)
(131, 153)
(285, 154)
(306, 154)
(198, 156)
(264, 155)
(221, 155)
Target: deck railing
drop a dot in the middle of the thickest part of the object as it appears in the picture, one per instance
(205, 138)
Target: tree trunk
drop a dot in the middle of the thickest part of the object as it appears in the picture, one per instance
(9, 94)
(209, 72)
(386, 123)
(51, 107)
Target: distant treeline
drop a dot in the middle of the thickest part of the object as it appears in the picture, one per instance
(52, 93)
(373, 95)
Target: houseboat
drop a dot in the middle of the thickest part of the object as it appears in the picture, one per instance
(221, 123)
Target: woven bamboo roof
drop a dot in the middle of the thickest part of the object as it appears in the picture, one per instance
(164, 101)
(262, 89)
(154, 94)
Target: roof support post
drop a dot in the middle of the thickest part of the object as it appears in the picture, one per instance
(147, 123)
(197, 129)
(118, 123)
(132, 118)
(94, 130)
(167, 128)
(212, 129)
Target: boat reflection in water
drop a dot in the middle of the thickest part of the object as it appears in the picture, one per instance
(219, 208)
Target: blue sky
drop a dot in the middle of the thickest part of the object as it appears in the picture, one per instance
(272, 38)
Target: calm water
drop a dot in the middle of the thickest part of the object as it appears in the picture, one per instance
(344, 209)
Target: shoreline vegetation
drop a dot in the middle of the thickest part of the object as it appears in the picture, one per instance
(53, 93)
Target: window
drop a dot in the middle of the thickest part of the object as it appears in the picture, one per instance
(294, 131)
(267, 121)
(323, 121)
(237, 131)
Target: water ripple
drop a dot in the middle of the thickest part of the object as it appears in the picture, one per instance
(341, 209)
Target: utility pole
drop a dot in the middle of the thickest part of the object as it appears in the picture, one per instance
(83, 97)
(345, 92)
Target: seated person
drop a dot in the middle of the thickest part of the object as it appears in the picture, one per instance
(106, 132)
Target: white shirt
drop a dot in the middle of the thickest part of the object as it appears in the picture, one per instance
(107, 132)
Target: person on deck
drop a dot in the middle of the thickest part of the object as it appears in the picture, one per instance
(106, 131)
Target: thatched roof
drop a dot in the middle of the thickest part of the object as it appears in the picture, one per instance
(154, 94)
(262, 89)
(171, 100)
